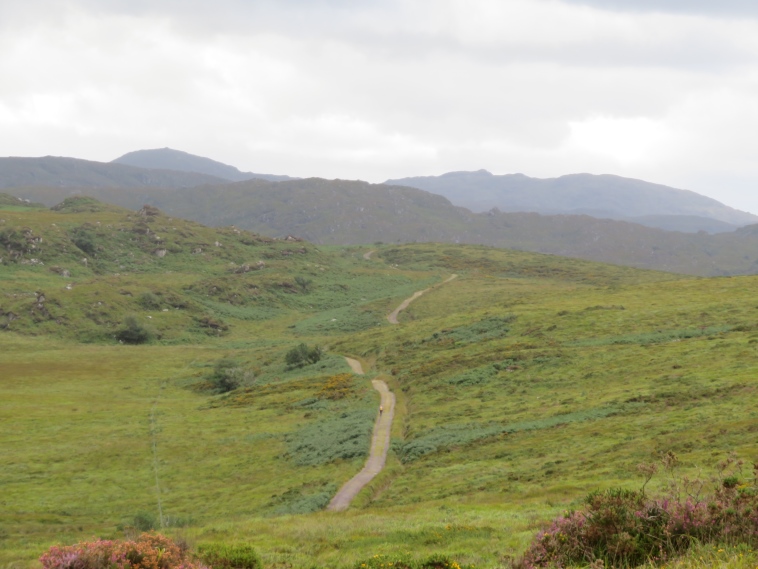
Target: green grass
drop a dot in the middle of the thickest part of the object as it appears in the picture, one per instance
(521, 385)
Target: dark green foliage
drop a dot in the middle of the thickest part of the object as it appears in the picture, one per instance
(474, 376)
(303, 500)
(150, 300)
(229, 556)
(144, 521)
(13, 240)
(134, 332)
(302, 355)
(467, 433)
(444, 437)
(345, 437)
(84, 238)
(81, 204)
(485, 329)
(303, 283)
(228, 375)
(658, 337)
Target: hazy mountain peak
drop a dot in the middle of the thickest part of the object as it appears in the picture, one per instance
(604, 196)
(465, 174)
(170, 159)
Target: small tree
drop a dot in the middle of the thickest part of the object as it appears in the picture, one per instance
(302, 355)
(303, 283)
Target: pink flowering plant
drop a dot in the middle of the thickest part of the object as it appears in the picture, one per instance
(624, 528)
(148, 551)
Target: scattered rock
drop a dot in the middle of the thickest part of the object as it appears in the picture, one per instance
(160, 252)
(149, 211)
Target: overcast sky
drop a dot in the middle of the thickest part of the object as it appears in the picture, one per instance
(662, 90)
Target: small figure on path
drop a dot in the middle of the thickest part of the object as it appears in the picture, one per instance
(381, 410)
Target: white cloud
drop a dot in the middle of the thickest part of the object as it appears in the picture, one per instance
(375, 90)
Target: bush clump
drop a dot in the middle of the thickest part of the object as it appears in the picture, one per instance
(149, 550)
(302, 355)
(149, 300)
(134, 332)
(228, 374)
(624, 528)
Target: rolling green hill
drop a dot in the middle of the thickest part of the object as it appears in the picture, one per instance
(522, 385)
(348, 212)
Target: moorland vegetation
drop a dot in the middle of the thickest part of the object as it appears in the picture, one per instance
(340, 212)
(523, 386)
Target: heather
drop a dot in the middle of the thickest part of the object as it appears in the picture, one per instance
(148, 551)
(626, 528)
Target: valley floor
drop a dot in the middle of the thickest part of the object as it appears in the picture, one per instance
(521, 385)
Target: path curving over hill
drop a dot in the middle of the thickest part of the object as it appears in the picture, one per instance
(380, 443)
(392, 316)
(367, 256)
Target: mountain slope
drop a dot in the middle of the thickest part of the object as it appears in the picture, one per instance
(74, 173)
(600, 196)
(169, 159)
(345, 212)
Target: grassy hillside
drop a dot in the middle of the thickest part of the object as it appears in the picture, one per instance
(523, 384)
(345, 212)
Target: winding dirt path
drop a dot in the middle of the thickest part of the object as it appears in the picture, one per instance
(380, 443)
(367, 256)
(392, 316)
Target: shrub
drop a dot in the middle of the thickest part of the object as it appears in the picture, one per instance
(149, 550)
(228, 375)
(144, 521)
(303, 283)
(149, 300)
(345, 437)
(302, 355)
(226, 556)
(135, 333)
(626, 528)
(85, 239)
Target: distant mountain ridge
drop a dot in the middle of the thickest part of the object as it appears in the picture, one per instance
(170, 159)
(54, 171)
(602, 196)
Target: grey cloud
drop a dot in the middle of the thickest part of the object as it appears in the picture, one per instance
(728, 8)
